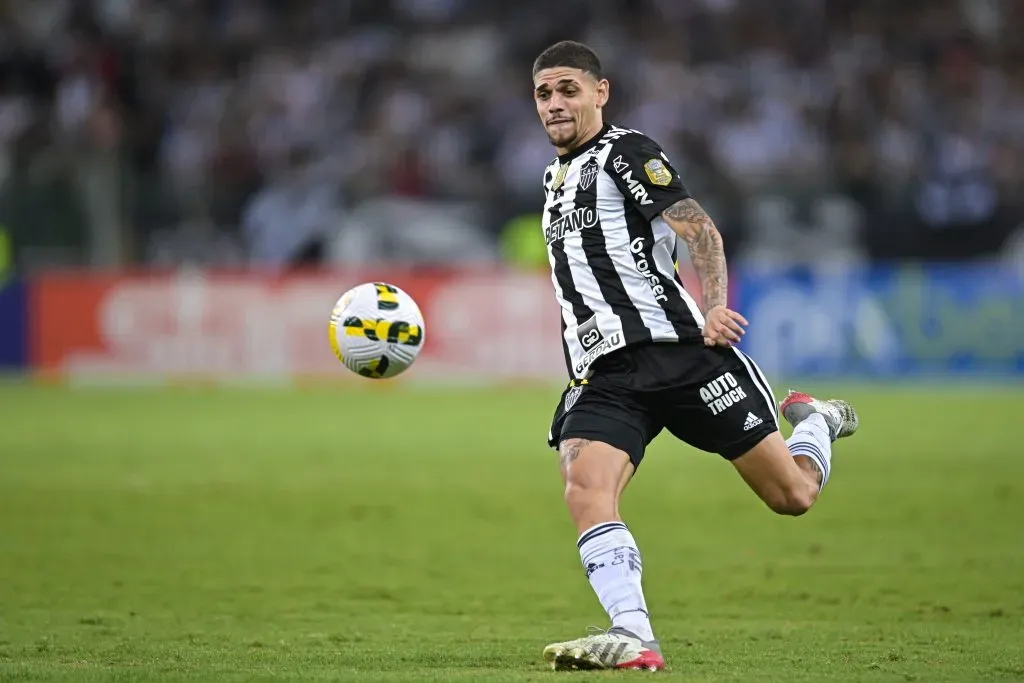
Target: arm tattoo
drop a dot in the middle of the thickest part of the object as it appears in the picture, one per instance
(570, 450)
(706, 250)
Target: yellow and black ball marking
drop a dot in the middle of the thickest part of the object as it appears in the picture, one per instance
(393, 332)
(332, 329)
(375, 369)
(387, 296)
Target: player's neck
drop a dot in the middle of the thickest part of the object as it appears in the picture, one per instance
(583, 141)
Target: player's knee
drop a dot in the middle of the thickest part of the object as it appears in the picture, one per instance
(584, 488)
(579, 496)
(791, 500)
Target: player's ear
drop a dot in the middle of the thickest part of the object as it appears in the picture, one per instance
(603, 90)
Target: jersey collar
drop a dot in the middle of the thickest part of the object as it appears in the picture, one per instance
(589, 144)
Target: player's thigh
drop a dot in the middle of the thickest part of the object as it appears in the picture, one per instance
(594, 467)
(728, 410)
(602, 412)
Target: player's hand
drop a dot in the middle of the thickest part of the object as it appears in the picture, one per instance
(723, 327)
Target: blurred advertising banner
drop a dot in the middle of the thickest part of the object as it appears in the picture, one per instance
(214, 326)
(13, 324)
(481, 325)
(885, 321)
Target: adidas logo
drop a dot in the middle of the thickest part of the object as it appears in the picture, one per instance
(751, 422)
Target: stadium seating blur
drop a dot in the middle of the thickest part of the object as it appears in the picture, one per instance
(227, 132)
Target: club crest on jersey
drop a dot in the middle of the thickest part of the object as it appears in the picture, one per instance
(657, 173)
(560, 176)
(572, 396)
(588, 173)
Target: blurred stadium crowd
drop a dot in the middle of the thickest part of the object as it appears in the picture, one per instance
(279, 132)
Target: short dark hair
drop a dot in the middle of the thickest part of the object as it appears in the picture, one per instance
(571, 54)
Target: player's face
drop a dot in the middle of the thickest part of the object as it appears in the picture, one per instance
(569, 103)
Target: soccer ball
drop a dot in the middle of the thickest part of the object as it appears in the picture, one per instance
(376, 330)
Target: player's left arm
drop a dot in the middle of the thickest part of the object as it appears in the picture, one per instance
(707, 254)
(646, 178)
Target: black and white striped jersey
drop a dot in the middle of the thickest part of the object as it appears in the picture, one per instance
(612, 256)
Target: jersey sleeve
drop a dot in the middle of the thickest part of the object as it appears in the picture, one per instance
(644, 175)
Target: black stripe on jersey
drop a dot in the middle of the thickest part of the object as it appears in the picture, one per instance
(613, 290)
(563, 274)
(676, 310)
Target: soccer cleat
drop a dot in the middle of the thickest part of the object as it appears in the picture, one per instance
(615, 648)
(839, 415)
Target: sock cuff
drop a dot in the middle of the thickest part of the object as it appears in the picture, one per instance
(816, 420)
(599, 530)
(811, 451)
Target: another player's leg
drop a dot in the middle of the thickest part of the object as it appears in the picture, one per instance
(595, 474)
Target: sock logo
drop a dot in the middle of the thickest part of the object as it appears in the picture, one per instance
(593, 567)
(627, 556)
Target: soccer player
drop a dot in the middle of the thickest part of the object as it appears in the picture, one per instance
(642, 355)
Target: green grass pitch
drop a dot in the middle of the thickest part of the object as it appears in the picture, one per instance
(420, 535)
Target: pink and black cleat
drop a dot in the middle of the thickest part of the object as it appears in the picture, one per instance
(839, 415)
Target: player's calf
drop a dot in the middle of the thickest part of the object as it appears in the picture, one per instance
(793, 500)
(769, 468)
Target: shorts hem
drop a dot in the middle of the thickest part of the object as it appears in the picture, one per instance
(634, 448)
(748, 442)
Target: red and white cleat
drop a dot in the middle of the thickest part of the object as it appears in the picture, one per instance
(839, 415)
(615, 648)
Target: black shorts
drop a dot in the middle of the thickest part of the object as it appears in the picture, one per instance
(713, 398)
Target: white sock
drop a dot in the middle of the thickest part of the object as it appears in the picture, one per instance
(612, 561)
(811, 439)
